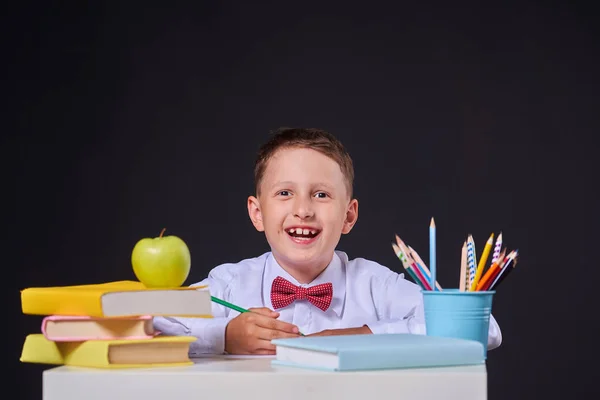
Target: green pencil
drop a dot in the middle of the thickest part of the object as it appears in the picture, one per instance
(228, 305)
(234, 307)
(400, 254)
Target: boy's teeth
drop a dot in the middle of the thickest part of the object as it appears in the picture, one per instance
(300, 231)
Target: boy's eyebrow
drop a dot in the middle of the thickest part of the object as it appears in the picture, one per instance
(282, 183)
(290, 183)
(325, 185)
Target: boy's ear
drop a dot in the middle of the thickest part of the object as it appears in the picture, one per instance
(255, 213)
(351, 216)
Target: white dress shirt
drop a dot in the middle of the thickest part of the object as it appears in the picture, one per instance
(364, 292)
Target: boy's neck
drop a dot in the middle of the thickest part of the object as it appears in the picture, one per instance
(304, 274)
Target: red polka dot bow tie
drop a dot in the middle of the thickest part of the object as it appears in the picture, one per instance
(284, 293)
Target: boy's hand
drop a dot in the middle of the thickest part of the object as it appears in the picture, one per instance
(251, 332)
(363, 330)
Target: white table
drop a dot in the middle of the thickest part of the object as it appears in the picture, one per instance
(249, 378)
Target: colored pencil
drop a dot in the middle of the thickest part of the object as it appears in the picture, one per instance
(432, 255)
(412, 262)
(228, 305)
(491, 273)
(406, 264)
(234, 307)
(422, 266)
(509, 265)
(462, 281)
(482, 261)
(497, 248)
(471, 259)
(501, 262)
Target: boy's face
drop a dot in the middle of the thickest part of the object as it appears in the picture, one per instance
(303, 208)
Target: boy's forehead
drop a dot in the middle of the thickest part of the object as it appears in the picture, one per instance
(290, 164)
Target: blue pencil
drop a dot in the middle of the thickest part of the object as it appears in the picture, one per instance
(432, 265)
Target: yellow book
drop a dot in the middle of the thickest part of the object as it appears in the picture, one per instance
(117, 299)
(119, 353)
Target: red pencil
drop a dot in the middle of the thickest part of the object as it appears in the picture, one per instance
(411, 261)
(491, 273)
(509, 265)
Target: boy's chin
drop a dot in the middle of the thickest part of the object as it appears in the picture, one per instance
(301, 261)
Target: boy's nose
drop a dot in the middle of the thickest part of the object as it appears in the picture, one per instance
(303, 209)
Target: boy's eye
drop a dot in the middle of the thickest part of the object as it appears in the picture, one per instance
(284, 193)
(321, 195)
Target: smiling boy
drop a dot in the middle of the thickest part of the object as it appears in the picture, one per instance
(304, 203)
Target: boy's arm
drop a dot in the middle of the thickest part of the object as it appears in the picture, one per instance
(209, 332)
(400, 309)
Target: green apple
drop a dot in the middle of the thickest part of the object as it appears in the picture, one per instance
(161, 262)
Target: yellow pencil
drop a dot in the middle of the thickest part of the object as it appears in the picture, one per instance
(482, 261)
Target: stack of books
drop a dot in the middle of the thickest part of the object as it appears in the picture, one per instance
(109, 325)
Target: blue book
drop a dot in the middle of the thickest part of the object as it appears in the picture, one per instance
(376, 351)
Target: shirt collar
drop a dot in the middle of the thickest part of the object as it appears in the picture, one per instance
(334, 273)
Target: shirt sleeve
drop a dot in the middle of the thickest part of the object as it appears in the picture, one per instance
(399, 305)
(209, 332)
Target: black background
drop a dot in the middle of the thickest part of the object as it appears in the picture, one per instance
(124, 119)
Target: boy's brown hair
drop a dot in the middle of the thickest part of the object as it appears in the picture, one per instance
(309, 138)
